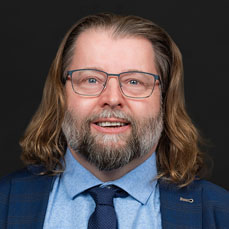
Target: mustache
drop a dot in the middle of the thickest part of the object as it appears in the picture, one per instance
(108, 113)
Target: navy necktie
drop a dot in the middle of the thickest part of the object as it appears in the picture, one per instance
(104, 216)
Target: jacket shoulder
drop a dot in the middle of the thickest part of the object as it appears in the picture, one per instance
(5, 182)
(213, 193)
(23, 195)
(215, 205)
(25, 173)
(5, 189)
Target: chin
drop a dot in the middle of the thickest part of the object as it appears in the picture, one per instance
(111, 140)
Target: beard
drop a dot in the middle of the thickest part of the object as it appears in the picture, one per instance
(111, 151)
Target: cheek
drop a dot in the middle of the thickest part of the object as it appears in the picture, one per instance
(80, 106)
(146, 108)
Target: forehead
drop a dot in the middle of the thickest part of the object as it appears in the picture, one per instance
(98, 48)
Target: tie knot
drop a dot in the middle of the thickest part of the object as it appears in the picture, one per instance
(104, 195)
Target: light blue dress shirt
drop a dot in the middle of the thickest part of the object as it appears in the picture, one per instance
(69, 207)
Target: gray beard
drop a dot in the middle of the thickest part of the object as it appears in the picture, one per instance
(105, 151)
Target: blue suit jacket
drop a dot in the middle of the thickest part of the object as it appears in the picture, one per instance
(24, 198)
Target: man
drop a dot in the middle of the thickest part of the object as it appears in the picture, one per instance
(112, 122)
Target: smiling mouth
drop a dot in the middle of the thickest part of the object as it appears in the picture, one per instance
(111, 124)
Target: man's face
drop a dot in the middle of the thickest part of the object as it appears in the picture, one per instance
(88, 121)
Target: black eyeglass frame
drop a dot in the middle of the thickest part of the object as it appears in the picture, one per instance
(69, 73)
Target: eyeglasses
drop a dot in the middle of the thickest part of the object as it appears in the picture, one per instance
(92, 82)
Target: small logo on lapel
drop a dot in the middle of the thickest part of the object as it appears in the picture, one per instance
(186, 200)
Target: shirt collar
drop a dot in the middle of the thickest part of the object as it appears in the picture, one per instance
(76, 179)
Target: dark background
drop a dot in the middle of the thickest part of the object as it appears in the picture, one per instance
(31, 32)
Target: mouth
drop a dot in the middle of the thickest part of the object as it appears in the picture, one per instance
(111, 126)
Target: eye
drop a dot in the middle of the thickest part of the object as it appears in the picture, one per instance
(134, 82)
(92, 80)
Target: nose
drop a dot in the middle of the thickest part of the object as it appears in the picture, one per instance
(112, 95)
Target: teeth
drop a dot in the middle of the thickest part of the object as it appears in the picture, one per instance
(105, 124)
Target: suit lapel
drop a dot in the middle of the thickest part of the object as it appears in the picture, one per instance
(181, 208)
(28, 201)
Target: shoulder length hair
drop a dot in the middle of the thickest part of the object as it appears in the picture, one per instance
(179, 159)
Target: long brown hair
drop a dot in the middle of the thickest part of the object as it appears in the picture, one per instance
(179, 159)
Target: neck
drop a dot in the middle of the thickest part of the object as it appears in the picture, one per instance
(114, 174)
